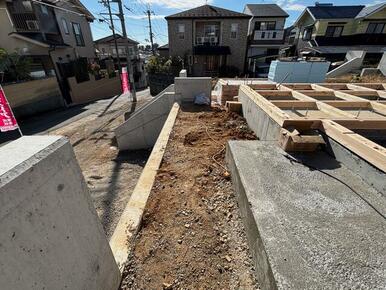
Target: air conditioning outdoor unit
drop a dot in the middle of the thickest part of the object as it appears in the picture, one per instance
(32, 25)
(200, 40)
(213, 39)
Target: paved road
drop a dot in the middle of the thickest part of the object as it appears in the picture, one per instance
(50, 121)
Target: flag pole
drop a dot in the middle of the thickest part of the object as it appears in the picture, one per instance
(13, 115)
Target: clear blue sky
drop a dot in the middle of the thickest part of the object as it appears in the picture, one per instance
(137, 25)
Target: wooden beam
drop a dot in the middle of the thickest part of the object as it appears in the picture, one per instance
(234, 106)
(295, 142)
(295, 104)
(273, 111)
(366, 149)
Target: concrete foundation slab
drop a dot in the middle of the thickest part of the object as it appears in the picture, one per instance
(51, 237)
(313, 226)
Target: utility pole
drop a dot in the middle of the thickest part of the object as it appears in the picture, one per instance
(148, 13)
(107, 3)
(128, 57)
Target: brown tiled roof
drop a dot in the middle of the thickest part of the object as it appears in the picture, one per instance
(208, 11)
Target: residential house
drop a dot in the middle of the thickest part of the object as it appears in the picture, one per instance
(163, 50)
(331, 31)
(105, 49)
(53, 33)
(211, 40)
(265, 36)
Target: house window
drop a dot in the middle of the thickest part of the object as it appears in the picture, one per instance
(274, 34)
(181, 31)
(44, 9)
(65, 26)
(263, 35)
(211, 30)
(234, 30)
(103, 50)
(375, 27)
(334, 31)
(78, 34)
(265, 25)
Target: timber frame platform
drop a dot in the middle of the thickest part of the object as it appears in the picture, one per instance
(343, 112)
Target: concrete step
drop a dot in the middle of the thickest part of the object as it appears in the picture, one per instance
(318, 226)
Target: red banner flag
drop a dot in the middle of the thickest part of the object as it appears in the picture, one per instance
(125, 81)
(7, 119)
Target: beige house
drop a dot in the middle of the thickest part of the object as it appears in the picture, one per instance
(211, 40)
(332, 31)
(54, 34)
(265, 36)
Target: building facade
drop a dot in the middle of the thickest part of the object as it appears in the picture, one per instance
(332, 31)
(53, 34)
(265, 36)
(106, 50)
(211, 40)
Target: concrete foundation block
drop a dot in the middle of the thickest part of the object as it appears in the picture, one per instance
(311, 222)
(51, 237)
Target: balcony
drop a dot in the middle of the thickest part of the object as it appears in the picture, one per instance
(25, 22)
(207, 40)
(268, 35)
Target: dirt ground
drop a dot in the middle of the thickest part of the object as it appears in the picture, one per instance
(111, 176)
(192, 236)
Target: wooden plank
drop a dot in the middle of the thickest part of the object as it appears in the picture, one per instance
(295, 104)
(295, 142)
(233, 106)
(347, 104)
(366, 149)
(273, 111)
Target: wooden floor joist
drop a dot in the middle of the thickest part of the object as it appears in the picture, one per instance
(333, 109)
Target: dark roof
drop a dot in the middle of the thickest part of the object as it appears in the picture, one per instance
(110, 38)
(207, 11)
(334, 12)
(264, 10)
(368, 10)
(164, 47)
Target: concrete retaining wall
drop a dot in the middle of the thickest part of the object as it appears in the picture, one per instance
(33, 97)
(51, 237)
(187, 88)
(94, 90)
(264, 127)
(354, 60)
(141, 130)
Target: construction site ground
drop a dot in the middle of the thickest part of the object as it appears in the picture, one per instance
(192, 236)
(111, 176)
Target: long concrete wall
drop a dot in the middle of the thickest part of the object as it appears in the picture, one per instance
(51, 237)
(141, 130)
(259, 121)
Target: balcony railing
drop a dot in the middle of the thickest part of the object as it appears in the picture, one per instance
(25, 22)
(268, 35)
(207, 40)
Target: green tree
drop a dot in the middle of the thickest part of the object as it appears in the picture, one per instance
(13, 66)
